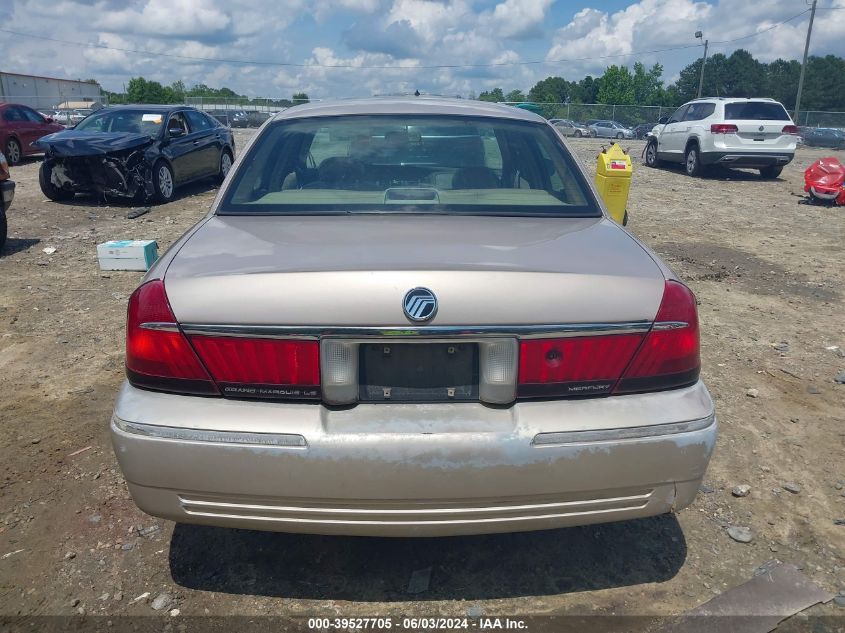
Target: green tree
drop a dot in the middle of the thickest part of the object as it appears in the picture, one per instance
(140, 90)
(647, 84)
(616, 86)
(515, 95)
(177, 90)
(782, 81)
(300, 97)
(824, 88)
(551, 90)
(586, 91)
(495, 96)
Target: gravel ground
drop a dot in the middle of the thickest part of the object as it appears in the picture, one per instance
(768, 271)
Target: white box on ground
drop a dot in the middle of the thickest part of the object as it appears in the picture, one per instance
(127, 254)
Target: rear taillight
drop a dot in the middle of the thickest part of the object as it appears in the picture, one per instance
(669, 356)
(579, 366)
(790, 129)
(262, 368)
(723, 128)
(158, 356)
(664, 358)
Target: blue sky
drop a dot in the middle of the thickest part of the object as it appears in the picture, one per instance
(405, 40)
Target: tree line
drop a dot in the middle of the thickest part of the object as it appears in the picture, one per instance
(141, 90)
(736, 75)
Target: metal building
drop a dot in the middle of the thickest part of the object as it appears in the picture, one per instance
(47, 93)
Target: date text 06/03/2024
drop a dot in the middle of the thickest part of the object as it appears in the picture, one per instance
(418, 624)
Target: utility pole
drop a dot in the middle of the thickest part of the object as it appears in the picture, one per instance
(699, 35)
(804, 63)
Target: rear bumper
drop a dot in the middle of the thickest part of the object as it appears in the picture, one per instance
(7, 194)
(746, 159)
(412, 470)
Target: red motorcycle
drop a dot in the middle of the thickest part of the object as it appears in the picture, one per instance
(824, 180)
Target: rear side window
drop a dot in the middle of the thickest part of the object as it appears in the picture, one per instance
(416, 164)
(33, 116)
(13, 114)
(755, 111)
(699, 111)
(197, 120)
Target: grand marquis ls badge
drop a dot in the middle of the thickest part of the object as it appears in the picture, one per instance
(420, 304)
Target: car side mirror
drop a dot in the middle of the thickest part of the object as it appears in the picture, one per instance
(50, 119)
(663, 120)
(175, 132)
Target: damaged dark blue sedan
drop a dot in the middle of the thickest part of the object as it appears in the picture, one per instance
(140, 153)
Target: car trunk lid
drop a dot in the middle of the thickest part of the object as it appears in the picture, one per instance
(354, 270)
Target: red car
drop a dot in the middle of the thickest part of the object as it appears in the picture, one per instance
(20, 125)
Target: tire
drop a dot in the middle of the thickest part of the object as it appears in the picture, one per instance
(577, 134)
(54, 193)
(594, 134)
(771, 172)
(3, 230)
(225, 165)
(692, 162)
(13, 151)
(164, 184)
(620, 136)
(651, 159)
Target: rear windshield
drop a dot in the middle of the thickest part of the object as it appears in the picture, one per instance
(389, 164)
(755, 111)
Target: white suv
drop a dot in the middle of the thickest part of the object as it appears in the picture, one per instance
(755, 133)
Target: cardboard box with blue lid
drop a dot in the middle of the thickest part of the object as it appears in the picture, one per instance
(127, 254)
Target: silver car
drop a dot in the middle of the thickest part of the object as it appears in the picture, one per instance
(410, 317)
(571, 128)
(611, 129)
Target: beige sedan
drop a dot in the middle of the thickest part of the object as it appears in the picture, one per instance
(572, 128)
(411, 317)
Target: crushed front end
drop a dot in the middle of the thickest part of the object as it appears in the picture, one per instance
(108, 164)
(122, 174)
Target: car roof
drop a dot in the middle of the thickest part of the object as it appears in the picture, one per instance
(732, 99)
(149, 107)
(409, 106)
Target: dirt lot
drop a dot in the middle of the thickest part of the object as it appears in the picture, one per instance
(769, 274)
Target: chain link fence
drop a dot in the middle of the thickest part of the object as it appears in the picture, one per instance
(632, 116)
(815, 118)
(241, 111)
(629, 115)
(225, 109)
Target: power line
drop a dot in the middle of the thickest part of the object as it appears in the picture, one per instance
(256, 62)
(771, 28)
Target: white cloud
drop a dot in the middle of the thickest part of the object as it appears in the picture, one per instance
(657, 24)
(403, 35)
(520, 18)
(185, 18)
(431, 19)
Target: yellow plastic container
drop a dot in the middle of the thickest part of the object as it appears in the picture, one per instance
(613, 180)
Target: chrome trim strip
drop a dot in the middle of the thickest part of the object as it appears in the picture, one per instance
(441, 331)
(282, 440)
(223, 505)
(669, 325)
(445, 522)
(160, 327)
(614, 435)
